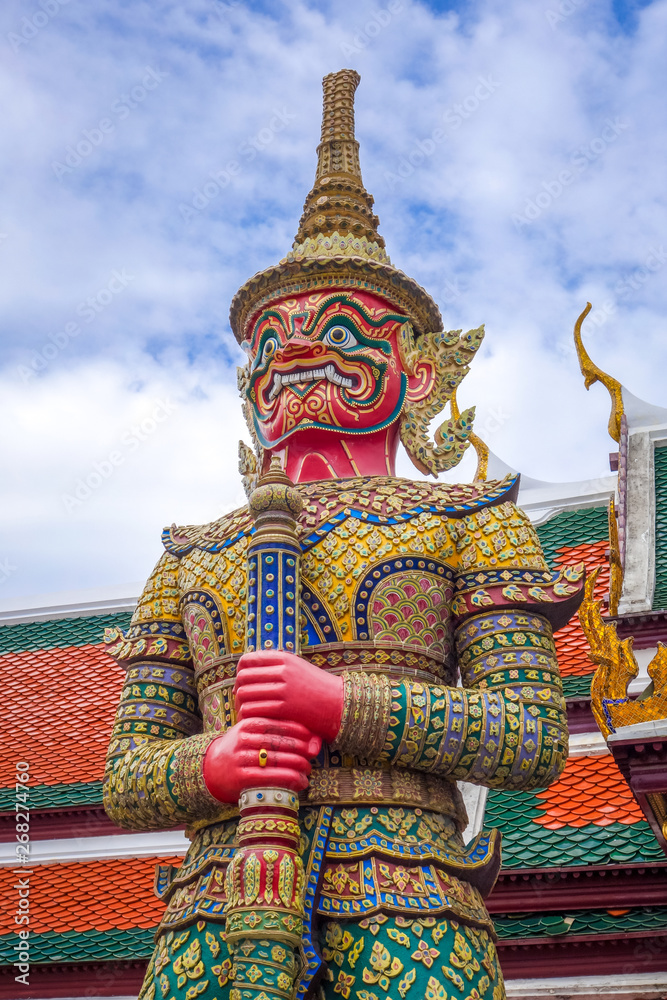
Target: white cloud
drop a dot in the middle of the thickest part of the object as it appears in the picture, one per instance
(98, 465)
(223, 71)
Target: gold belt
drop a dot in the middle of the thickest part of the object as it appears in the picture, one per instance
(372, 786)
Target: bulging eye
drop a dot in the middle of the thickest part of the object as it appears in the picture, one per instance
(269, 349)
(340, 336)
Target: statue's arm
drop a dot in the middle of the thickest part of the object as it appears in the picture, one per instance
(154, 767)
(507, 725)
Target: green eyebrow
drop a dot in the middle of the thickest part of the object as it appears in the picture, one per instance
(345, 321)
(266, 334)
(357, 308)
(270, 314)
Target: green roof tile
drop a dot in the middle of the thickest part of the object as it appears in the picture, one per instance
(526, 925)
(55, 796)
(571, 528)
(530, 845)
(660, 596)
(59, 633)
(578, 687)
(81, 946)
(128, 945)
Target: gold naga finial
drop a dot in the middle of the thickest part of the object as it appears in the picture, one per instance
(615, 560)
(593, 374)
(482, 449)
(616, 665)
(338, 202)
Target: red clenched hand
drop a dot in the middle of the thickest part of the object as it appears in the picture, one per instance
(273, 684)
(231, 763)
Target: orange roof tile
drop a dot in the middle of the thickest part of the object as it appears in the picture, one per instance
(61, 703)
(115, 894)
(571, 644)
(590, 790)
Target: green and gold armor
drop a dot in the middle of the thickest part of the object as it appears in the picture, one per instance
(436, 607)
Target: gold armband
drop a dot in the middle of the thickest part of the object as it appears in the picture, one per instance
(187, 774)
(366, 711)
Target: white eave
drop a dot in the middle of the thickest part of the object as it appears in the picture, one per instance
(67, 850)
(621, 986)
(643, 416)
(70, 604)
(542, 500)
(647, 427)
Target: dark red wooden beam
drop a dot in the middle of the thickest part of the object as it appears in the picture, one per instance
(56, 824)
(585, 955)
(566, 889)
(643, 764)
(48, 824)
(647, 628)
(94, 979)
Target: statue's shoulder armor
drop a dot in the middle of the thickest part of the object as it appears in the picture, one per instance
(212, 537)
(379, 499)
(388, 500)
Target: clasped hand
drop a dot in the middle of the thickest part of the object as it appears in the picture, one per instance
(285, 706)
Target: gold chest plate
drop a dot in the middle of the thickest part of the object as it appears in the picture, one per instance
(377, 579)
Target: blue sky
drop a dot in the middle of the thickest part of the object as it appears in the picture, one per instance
(157, 154)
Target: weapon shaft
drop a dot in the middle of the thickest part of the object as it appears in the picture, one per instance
(265, 882)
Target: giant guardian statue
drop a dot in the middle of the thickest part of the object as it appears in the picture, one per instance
(310, 678)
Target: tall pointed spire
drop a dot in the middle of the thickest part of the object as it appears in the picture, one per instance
(338, 152)
(339, 202)
(338, 244)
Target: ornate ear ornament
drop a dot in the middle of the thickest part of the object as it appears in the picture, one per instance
(250, 462)
(451, 354)
(482, 449)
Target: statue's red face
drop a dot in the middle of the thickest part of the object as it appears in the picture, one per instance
(327, 361)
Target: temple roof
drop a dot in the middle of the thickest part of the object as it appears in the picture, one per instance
(598, 922)
(588, 817)
(102, 908)
(65, 742)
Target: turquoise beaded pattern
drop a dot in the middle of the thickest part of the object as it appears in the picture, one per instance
(273, 599)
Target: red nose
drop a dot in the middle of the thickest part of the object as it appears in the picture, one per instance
(298, 347)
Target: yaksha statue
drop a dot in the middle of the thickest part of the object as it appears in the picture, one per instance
(310, 677)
